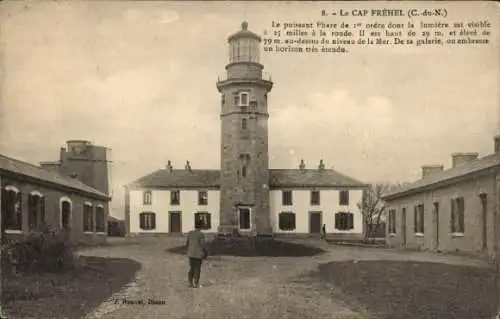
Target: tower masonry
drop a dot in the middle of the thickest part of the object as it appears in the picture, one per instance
(244, 195)
(86, 162)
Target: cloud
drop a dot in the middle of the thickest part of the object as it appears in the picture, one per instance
(157, 16)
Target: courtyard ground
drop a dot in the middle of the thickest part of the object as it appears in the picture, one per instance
(342, 282)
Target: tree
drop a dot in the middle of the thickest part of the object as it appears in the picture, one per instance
(373, 207)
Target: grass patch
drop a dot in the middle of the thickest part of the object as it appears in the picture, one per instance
(399, 289)
(71, 294)
(254, 247)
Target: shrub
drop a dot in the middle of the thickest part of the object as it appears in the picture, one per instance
(42, 251)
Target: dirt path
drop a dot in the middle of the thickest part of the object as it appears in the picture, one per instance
(236, 287)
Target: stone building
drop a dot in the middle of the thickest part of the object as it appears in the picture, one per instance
(449, 210)
(70, 194)
(244, 195)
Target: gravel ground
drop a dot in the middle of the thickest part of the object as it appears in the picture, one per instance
(342, 282)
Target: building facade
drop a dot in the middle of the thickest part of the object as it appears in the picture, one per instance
(244, 195)
(36, 197)
(449, 210)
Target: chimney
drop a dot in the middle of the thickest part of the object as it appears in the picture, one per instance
(188, 166)
(462, 158)
(497, 143)
(321, 165)
(169, 166)
(431, 169)
(302, 165)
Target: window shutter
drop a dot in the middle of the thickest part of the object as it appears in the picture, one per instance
(337, 221)
(452, 219)
(415, 222)
(141, 221)
(153, 221)
(350, 220)
(42, 210)
(461, 210)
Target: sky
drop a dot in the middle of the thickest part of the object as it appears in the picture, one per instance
(140, 78)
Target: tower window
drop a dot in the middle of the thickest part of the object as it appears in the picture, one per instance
(244, 124)
(243, 98)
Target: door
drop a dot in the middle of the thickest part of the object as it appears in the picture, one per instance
(484, 220)
(244, 218)
(435, 217)
(403, 228)
(175, 222)
(315, 222)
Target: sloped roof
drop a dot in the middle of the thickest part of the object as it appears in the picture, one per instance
(311, 178)
(437, 178)
(179, 178)
(211, 178)
(32, 171)
(243, 33)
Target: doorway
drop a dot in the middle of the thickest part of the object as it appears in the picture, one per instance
(484, 220)
(244, 218)
(403, 227)
(315, 221)
(435, 218)
(174, 222)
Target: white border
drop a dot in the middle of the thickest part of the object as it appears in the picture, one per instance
(12, 188)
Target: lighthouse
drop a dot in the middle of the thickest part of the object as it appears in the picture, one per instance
(244, 192)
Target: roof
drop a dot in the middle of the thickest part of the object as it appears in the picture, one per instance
(18, 167)
(244, 33)
(179, 178)
(311, 178)
(437, 178)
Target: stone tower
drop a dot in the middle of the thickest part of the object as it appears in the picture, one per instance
(89, 163)
(244, 195)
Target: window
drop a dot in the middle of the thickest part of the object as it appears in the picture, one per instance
(147, 198)
(286, 221)
(244, 124)
(244, 218)
(202, 198)
(392, 221)
(147, 221)
(344, 221)
(286, 198)
(244, 171)
(223, 100)
(457, 215)
(253, 104)
(237, 100)
(100, 219)
(175, 197)
(344, 198)
(204, 219)
(243, 99)
(419, 219)
(315, 199)
(11, 205)
(88, 218)
(65, 214)
(36, 211)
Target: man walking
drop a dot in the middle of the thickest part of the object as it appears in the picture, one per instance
(196, 252)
